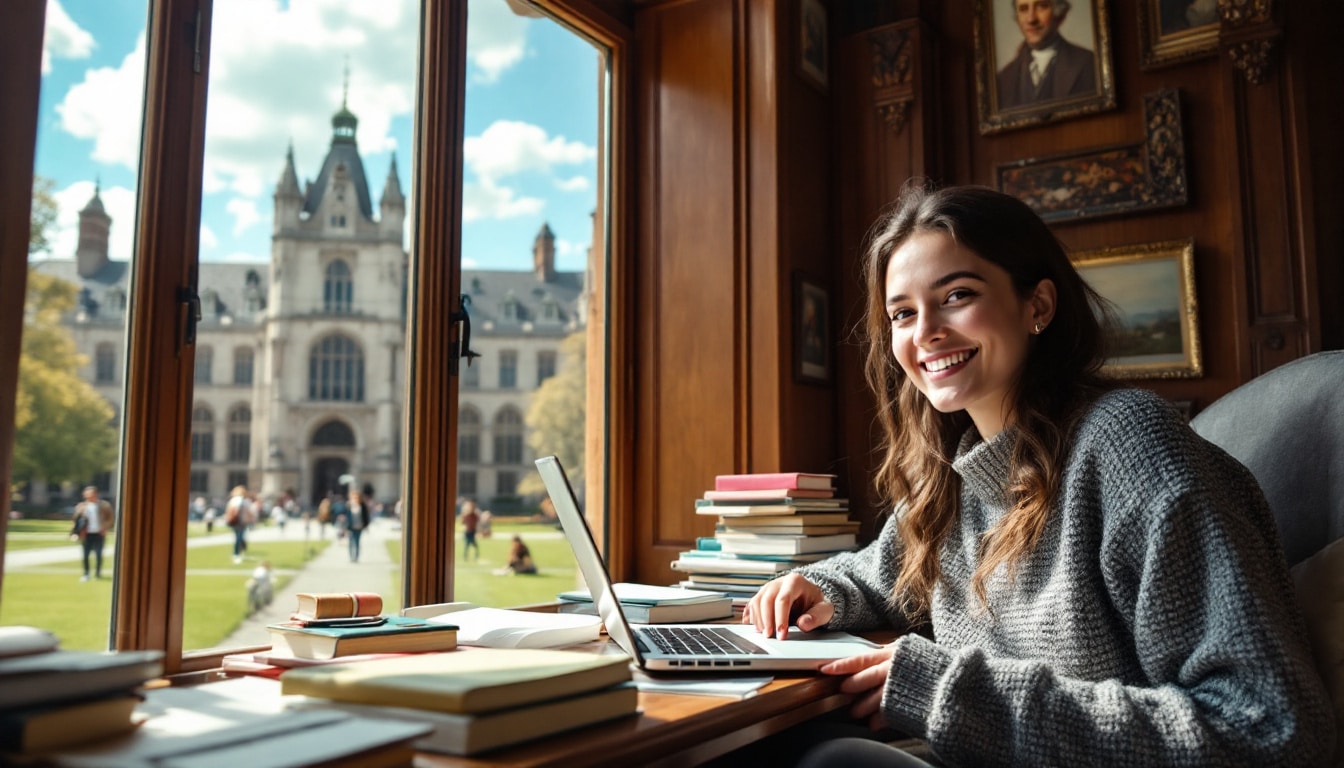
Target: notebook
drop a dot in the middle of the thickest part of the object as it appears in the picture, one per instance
(688, 647)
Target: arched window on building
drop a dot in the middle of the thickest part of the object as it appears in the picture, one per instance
(338, 289)
(240, 434)
(334, 434)
(242, 366)
(508, 429)
(468, 435)
(205, 359)
(202, 434)
(105, 363)
(336, 370)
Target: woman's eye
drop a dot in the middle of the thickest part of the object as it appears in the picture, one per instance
(957, 294)
(901, 314)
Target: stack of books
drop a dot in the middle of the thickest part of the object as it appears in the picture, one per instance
(53, 699)
(649, 604)
(329, 626)
(476, 699)
(768, 524)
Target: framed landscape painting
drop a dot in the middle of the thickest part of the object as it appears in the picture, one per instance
(1154, 328)
(812, 361)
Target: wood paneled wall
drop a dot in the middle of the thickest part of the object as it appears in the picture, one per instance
(748, 174)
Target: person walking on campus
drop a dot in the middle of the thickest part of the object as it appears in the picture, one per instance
(357, 517)
(470, 520)
(238, 515)
(92, 522)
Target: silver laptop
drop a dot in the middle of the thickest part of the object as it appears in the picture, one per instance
(686, 647)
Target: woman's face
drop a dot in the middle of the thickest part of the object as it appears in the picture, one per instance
(959, 329)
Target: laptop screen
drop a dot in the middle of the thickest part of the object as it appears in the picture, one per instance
(590, 561)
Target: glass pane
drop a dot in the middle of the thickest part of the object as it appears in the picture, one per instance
(304, 238)
(73, 365)
(530, 218)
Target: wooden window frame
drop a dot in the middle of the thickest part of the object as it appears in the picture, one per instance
(148, 602)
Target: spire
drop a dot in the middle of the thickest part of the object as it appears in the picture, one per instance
(289, 178)
(392, 189)
(543, 254)
(95, 204)
(94, 226)
(344, 122)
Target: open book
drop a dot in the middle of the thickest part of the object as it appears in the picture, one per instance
(505, 628)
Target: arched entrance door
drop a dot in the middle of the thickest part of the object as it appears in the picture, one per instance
(327, 477)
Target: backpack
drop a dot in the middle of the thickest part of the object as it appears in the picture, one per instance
(231, 513)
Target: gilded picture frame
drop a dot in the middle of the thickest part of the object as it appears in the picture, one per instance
(1174, 31)
(1153, 331)
(1108, 181)
(1077, 77)
(813, 357)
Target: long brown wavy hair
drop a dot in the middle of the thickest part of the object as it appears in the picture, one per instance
(1060, 378)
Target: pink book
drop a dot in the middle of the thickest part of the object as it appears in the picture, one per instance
(770, 494)
(774, 481)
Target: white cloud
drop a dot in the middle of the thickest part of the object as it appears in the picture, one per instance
(507, 147)
(118, 202)
(573, 184)
(565, 247)
(239, 257)
(105, 107)
(63, 37)
(208, 239)
(486, 200)
(496, 38)
(244, 214)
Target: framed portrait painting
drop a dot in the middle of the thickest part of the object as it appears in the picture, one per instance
(1039, 61)
(813, 51)
(1172, 31)
(1154, 323)
(812, 354)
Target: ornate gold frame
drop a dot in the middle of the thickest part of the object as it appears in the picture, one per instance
(1169, 259)
(1159, 50)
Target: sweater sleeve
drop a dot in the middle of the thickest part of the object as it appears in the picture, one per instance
(1191, 561)
(860, 584)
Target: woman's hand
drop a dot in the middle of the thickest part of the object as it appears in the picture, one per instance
(867, 680)
(773, 605)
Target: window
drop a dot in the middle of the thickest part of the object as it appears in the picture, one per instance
(471, 375)
(336, 370)
(240, 434)
(506, 483)
(468, 436)
(466, 483)
(508, 431)
(204, 360)
(242, 366)
(235, 478)
(199, 482)
(338, 290)
(105, 363)
(508, 369)
(202, 434)
(545, 365)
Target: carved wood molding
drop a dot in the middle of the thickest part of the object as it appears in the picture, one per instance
(1250, 36)
(1253, 58)
(893, 66)
(1239, 13)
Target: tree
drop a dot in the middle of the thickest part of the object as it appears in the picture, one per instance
(63, 429)
(43, 215)
(556, 416)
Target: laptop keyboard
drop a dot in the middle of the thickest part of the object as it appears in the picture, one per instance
(698, 641)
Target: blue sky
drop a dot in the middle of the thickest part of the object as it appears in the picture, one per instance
(277, 76)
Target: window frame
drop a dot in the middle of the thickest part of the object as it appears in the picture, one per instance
(148, 598)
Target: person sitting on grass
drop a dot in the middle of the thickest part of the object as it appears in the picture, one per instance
(520, 559)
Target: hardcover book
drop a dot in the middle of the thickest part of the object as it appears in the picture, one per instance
(458, 734)
(55, 726)
(396, 635)
(779, 544)
(759, 480)
(338, 605)
(776, 495)
(469, 681)
(59, 676)
(790, 506)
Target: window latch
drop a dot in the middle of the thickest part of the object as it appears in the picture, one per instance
(190, 304)
(461, 346)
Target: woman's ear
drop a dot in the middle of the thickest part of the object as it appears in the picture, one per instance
(1042, 304)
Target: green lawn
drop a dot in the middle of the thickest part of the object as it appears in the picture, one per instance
(40, 534)
(52, 597)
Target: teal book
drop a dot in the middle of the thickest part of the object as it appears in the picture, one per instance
(707, 544)
(397, 634)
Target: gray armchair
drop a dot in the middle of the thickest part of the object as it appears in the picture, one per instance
(1287, 427)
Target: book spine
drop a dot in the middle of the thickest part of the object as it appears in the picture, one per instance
(708, 544)
(777, 495)
(339, 605)
(766, 480)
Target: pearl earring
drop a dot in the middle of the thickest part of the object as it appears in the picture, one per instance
(1039, 327)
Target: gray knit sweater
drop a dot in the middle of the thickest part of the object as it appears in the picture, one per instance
(1154, 623)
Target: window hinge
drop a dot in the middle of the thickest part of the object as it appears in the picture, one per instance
(189, 305)
(460, 347)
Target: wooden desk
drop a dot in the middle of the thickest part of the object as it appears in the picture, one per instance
(672, 729)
